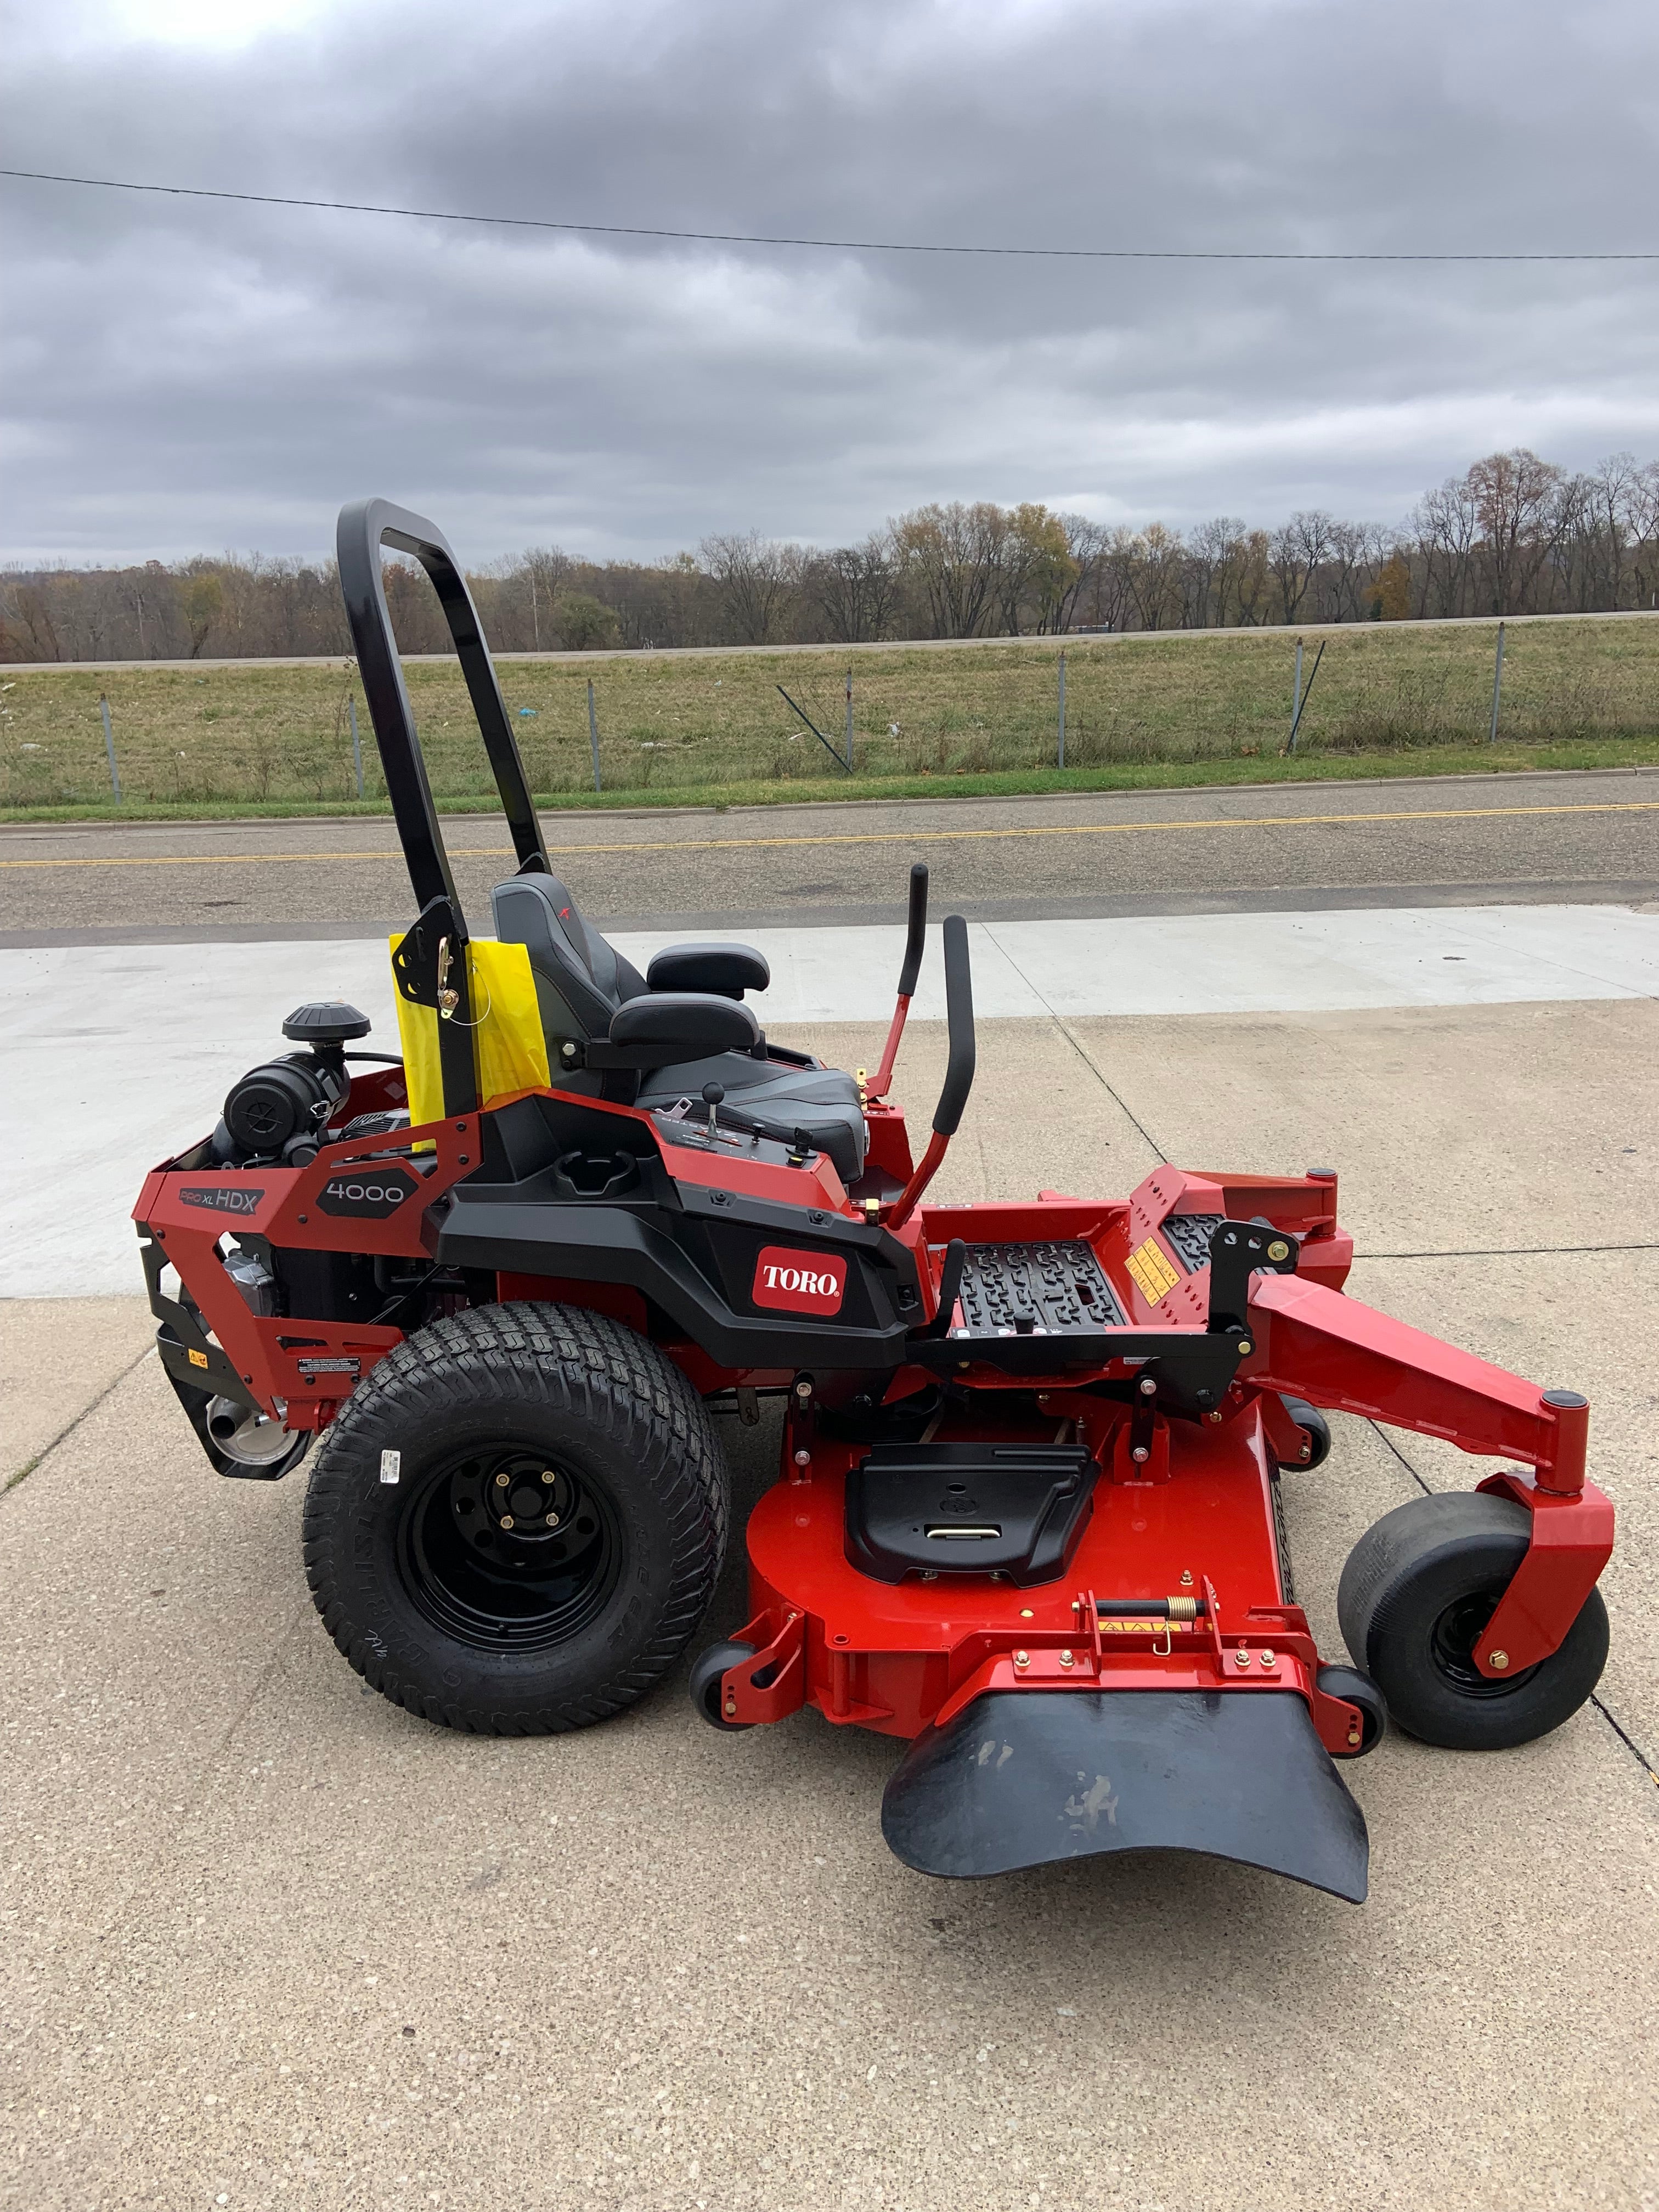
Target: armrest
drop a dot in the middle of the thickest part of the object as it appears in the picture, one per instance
(661, 1027)
(729, 970)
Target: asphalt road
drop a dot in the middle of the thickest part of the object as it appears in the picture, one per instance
(1554, 838)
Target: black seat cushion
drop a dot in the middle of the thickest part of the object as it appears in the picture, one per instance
(766, 1096)
(580, 981)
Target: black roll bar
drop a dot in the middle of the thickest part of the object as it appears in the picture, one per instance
(430, 965)
(365, 527)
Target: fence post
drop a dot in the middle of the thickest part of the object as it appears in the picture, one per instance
(849, 719)
(1059, 760)
(1296, 701)
(109, 747)
(356, 747)
(1496, 686)
(593, 733)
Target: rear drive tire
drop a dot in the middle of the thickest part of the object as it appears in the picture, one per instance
(517, 1521)
(1414, 1602)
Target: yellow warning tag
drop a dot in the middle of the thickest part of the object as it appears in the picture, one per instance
(1154, 1277)
(198, 1359)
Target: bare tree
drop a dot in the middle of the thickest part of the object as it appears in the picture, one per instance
(952, 558)
(855, 588)
(756, 578)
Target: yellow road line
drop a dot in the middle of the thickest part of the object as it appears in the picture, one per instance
(876, 836)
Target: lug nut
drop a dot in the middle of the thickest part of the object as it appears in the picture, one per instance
(507, 1519)
(1499, 1659)
(501, 1481)
(548, 1475)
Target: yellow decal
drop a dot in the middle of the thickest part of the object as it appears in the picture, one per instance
(198, 1359)
(1153, 1275)
(1146, 1624)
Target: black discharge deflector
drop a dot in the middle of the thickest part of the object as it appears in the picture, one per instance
(1048, 1289)
(1013, 1509)
(1021, 1777)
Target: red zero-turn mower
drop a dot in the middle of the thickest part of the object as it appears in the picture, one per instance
(1027, 1512)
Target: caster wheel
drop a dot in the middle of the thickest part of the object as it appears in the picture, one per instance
(1312, 1422)
(706, 1672)
(1357, 1689)
(1414, 1600)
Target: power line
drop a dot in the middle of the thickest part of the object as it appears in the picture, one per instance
(748, 238)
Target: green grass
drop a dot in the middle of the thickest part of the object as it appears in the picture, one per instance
(273, 738)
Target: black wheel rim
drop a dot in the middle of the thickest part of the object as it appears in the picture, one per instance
(1452, 1641)
(505, 1548)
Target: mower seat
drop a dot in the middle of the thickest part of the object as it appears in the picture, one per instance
(580, 981)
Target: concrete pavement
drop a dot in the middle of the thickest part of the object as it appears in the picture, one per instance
(271, 1943)
(133, 1047)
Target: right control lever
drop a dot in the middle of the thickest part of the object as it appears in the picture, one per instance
(959, 1074)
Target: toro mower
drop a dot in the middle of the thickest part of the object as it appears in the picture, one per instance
(1027, 1518)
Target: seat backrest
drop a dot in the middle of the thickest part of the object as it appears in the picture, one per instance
(580, 981)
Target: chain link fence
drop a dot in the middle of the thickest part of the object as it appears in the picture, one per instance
(258, 734)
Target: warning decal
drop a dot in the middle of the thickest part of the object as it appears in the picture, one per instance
(1154, 1277)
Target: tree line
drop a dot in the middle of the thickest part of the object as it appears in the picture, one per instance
(1513, 535)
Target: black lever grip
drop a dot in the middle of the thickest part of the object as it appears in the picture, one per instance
(916, 943)
(959, 1012)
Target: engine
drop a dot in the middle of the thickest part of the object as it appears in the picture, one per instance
(277, 1114)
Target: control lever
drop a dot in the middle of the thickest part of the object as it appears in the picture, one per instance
(915, 944)
(711, 1095)
(958, 1073)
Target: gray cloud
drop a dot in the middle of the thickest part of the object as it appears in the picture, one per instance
(181, 376)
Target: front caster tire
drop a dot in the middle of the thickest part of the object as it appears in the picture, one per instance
(1314, 1427)
(517, 1521)
(706, 1672)
(1359, 1691)
(1414, 1602)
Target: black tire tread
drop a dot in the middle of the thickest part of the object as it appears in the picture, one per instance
(1388, 1594)
(577, 1363)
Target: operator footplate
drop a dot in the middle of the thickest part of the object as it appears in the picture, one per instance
(1036, 1290)
(1015, 1510)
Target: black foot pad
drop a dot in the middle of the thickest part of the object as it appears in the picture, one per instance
(1036, 1290)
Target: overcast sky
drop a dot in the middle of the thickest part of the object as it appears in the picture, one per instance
(178, 376)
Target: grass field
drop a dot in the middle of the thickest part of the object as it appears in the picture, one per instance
(274, 736)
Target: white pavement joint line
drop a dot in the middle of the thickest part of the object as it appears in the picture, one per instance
(68, 1429)
(1627, 1739)
(989, 930)
(1115, 1095)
